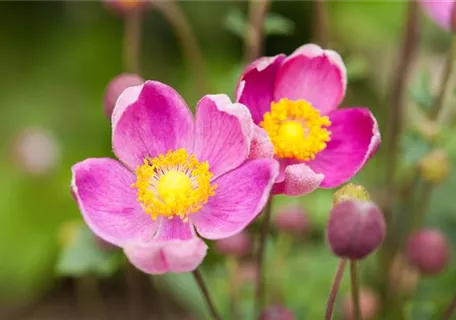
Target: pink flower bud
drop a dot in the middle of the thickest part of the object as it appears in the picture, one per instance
(292, 220)
(116, 87)
(355, 228)
(238, 245)
(277, 312)
(368, 305)
(123, 7)
(429, 251)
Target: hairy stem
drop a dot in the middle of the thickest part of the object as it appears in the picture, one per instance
(335, 289)
(202, 285)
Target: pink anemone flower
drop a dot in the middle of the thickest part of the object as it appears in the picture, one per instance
(295, 99)
(440, 11)
(176, 177)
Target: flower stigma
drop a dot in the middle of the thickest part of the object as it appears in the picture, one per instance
(174, 184)
(296, 129)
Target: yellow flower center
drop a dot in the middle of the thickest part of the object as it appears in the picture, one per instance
(174, 184)
(296, 129)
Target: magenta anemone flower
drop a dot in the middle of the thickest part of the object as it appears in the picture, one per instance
(295, 99)
(441, 12)
(175, 177)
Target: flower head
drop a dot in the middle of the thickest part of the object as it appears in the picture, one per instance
(175, 177)
(295, 99)
(292, 219)
(116, 86)
(441, 12)
(124, 7)
(369, 305)
(237, 245)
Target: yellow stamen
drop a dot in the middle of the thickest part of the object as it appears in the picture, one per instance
(174, 184)
(297, 130)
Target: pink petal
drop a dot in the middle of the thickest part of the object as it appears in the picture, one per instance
(255, 87)
(176, 248)
(261, 146)
(240, 196)
(223, 133)
(296, 179)
(151, 123)
(108, 203)
(313, 74)
(354, 139)
(439, 11)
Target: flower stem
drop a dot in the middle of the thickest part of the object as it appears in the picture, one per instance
(259, 292)
(132, 40)
(450, 310)
(254, 35)
(134, 292)
(191, 50)
(320, 25)
(281, 251)
(233, 270)
(335, 289)
(355, 289)
(210, 304)
(89, 298)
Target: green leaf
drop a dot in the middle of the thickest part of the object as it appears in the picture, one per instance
(357, 67)
(235, 22)
(420, 92)
(276, 24)
(414, 148)
(83, 256)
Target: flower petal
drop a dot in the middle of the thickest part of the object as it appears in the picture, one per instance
(255, 87)
(296, 179)
(261, 146)
(154, 122)
(176, 248)
(108, 203)
(439, 11)
(240, 196)
(313, 74)
(354, 139)
(223, 133)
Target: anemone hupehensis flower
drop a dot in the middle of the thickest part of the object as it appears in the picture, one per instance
(440, 11)
(175, 175)
(295, 100)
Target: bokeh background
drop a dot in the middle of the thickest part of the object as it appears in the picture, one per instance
(56, 59)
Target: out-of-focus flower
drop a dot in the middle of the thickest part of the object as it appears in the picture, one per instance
(429, 251)
(292, 219)
(441, 12)
(403, 277)
(369, 305)
(175, 175)
(36, 151)
(116, 86)
(123, 7)
(435, 167)
(277, 312)
(248, 271)
(355, 228)
(237, 245)
(351, 191)
(295, 99)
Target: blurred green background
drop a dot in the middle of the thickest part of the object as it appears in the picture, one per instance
(56, 59)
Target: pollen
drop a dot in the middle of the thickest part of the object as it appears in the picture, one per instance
(173, 184)
(296, 129)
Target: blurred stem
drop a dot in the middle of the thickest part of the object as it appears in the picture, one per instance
(397, 108)
(424, 197)
(450, 310)
(89, 298)
(172, 11)
(438, 106)
(254, 36)
(335, 289)
(259, 292)
(233, 270)
(202, 286)
(132, 40)
(134, 292)
(281, 251)
(355, 289)
(320, 25)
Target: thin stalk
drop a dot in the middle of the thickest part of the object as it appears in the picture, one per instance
(134, 292)
(423, 198)
(201, 284)
(281, 252)
(191, 50)
(254, 36)
(320, 25)
(259, 292)
(450, 310)
(335, 289)
(89, 298)
(132, 40)
(355, 289)
(233, 271)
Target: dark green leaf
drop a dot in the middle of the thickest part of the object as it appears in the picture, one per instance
(235, 22)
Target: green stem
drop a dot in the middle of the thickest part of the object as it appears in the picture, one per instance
(335, 289)
(205, 292)
(355, 289)
(450, 310)
(254, 34)
(282, 249)
(132, 40)
(320, 25)
(233, 270)
(259, 292)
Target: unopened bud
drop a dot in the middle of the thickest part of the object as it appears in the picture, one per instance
(355, 229)
(238, 245)
(429, 251)
(369, 305)
(124, 7)
(116, 86)
(403, 276)
(351, 191)
(435, 167)
(292, 219)
(277, 312)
